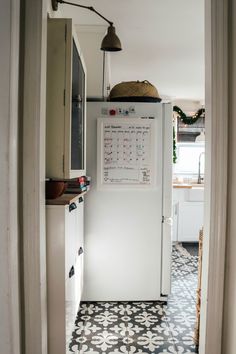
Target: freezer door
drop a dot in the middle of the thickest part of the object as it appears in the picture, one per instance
(167, 201)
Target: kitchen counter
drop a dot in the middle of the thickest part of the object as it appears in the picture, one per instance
(188, 185)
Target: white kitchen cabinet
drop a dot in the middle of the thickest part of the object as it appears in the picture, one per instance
(66, 102)
(190, 221)
(188, 210)
(64, 270)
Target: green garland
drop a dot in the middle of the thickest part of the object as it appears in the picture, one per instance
(174, 147)
(188, 120)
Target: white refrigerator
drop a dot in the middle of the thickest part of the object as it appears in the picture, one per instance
(128, 210)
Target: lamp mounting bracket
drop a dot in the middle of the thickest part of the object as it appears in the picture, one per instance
(55, 8)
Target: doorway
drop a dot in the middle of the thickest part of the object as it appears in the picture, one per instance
(217, 136)
(188, 220)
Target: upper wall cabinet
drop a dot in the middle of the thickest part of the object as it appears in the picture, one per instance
(66, 103)
(188, 133)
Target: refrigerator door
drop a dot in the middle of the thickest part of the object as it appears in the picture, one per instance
(124, 238)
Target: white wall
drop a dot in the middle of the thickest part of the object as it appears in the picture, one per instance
(229, 324)
(188, 106)
(90, 39)
(9, 276)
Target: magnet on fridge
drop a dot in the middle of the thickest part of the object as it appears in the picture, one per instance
(104, 111)
(132, 109)
(112, 112)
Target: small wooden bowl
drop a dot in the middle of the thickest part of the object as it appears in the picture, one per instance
(55, 189)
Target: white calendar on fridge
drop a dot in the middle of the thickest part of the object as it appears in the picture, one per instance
(126, 152)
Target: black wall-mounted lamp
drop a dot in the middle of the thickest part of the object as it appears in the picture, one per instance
(110, 42)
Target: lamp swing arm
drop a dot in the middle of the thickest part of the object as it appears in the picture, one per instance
(111, 42)
(85, 7)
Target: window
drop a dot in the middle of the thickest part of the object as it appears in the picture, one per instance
(188, 155)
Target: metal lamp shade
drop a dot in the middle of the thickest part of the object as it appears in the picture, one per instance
(111, 42)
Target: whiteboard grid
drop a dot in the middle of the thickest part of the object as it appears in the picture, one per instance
(126, 151)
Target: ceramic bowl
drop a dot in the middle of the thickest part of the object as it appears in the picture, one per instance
(55, 189)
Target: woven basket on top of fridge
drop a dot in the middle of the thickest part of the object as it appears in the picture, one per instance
(134, 91)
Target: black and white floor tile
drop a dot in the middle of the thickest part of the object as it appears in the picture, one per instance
(143, 327)
(191, 247)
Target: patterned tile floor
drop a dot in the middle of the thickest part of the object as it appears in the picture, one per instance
(191, 247)
(143, 327)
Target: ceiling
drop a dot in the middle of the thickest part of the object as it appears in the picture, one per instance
(163, 42)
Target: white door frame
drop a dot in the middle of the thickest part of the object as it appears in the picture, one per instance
(34, 25)
(9, 230)
(216, 177)
(216, 39)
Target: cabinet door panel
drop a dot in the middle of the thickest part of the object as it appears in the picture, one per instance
(70, 305)
(78, 281)
(190, 221)
(70, 237)
(80, 224)
(66, 96)
(57, 62)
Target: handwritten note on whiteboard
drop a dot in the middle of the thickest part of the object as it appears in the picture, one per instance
(127, 153)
